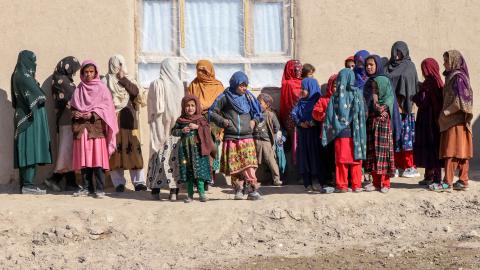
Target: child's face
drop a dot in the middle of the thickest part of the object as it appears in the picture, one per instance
(310, 74)
(190, 108)
(263, 104)
(89, 73)
(303, 93)
(350, 64)
(371, 66)
(242, 89)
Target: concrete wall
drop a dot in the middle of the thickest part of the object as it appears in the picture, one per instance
(328, 31)
(53, 29)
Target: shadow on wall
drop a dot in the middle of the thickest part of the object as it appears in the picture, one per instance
(474, 163)
(6, 144)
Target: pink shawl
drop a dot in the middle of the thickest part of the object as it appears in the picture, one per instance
(94, 96)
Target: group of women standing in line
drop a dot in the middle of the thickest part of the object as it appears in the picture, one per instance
(365, 118)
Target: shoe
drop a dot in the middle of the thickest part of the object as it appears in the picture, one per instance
(141, 187)
(459, 185)
(238, 195)
(120, 188)
(155, 194)
(99, 195)
(72, 188)
(254, 196)
(425, 182)
(440, 187)
(52, 184)
(173, 194)
(311, 188)
(188, 200)
(341, 190)
(384, 190)
(203, 198)
(81, 193)
(410, 173)
(369, 188)
(277, 183)
(33, 190)
(358, 190)
(327, 190)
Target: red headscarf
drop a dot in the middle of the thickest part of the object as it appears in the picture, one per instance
(204, 133)
(432, 86)
(350, 58)
(430, 68)
(321, 107)
(291, 86)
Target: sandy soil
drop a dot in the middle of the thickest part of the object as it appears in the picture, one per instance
(408, 228)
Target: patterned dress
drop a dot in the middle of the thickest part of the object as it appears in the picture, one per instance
(193, 166)
(163, 170)
(380, 157)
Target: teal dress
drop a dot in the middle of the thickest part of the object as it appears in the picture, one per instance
(193, 166)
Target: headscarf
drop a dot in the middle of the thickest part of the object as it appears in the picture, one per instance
(350, 58)
(164, 102)
(267, 99)
(303, 110)
(119, 93)
(291, 86)
(205, 86)
(25, 91)
(461, 85)
(346, 109)
(385, 93)
(62, 83)
(431, 72)
(94, 96)
(403, 75)
(367, 88)
(204, 134)
(330, 86)
(242, 104)
(360, 73)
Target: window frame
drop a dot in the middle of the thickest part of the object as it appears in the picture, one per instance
(249, 57)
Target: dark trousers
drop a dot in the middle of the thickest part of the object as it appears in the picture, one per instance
(87, 177)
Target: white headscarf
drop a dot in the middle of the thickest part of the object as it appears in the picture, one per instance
(164, 103)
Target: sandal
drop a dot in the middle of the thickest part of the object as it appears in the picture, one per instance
(460, 185)
(440, 187)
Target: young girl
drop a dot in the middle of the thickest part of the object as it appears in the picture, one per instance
(94, 129)
(326, 153)
(308, 132)
(359, 69)
(194, 147)
(350, 62)
(429, 101)
(456, 146)
(265, 135)
(380, 157)
(238, 112)
(345, 123)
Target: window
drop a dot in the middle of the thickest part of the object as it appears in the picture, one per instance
(254, 36)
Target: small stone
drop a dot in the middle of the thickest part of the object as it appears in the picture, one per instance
(81, 259)
(391, 255)
(447, 229)
(68, 234)
(280, 245)
(94, 236)
(68, 227)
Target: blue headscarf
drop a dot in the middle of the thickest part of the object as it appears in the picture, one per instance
(303, 110)
(242, 104)
(360, 73)
(346, 109)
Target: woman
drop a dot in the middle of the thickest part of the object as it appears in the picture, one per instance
(126, 94)
(94, 129)
(62, 91)
(403, 74)
(308, 132)
(164, 107)
(207, 88)
(359, 69)
(238, 112)
(455, 122)
(345, 124)
(291, 86)
(32, 136)
(429, 101)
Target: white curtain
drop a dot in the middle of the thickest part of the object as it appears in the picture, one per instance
(223, 72)
(268, 27)
(157, 35)
(266, 75)
(214, 28)
(148, 73)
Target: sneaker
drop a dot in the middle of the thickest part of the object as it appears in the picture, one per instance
(440, 187)
(173, 197)
(81, 193)
(52, 184)
(99, 195)
(277, 183)
(238, 195)
(33, 190)
(120, 188)
(459, 185)
(254, 196)
(188, 200)
(370, 188)
(203, 198)
(341, 190)
(140, 187)
(358, 190)
(410, 173)
(327, 190)
(384, 190)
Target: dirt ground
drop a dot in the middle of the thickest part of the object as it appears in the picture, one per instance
(408, 228)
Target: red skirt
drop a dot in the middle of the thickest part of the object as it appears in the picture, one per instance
(344, 151)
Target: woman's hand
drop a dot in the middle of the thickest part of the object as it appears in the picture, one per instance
(226, 123)
(120, 74)
(77, 115)
(304, 125)
(252, 124)
(186, 129)
(87, 115)
(193, 126)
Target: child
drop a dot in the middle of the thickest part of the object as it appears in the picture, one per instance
(194, 147)
(308, 131)
(265, 135)
(380, 157)
(307, 71)
(350, 62)
(238, 112)
(94, 128)
(326, 153)
(345, 124)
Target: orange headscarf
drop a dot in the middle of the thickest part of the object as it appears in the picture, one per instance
(205, 86)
